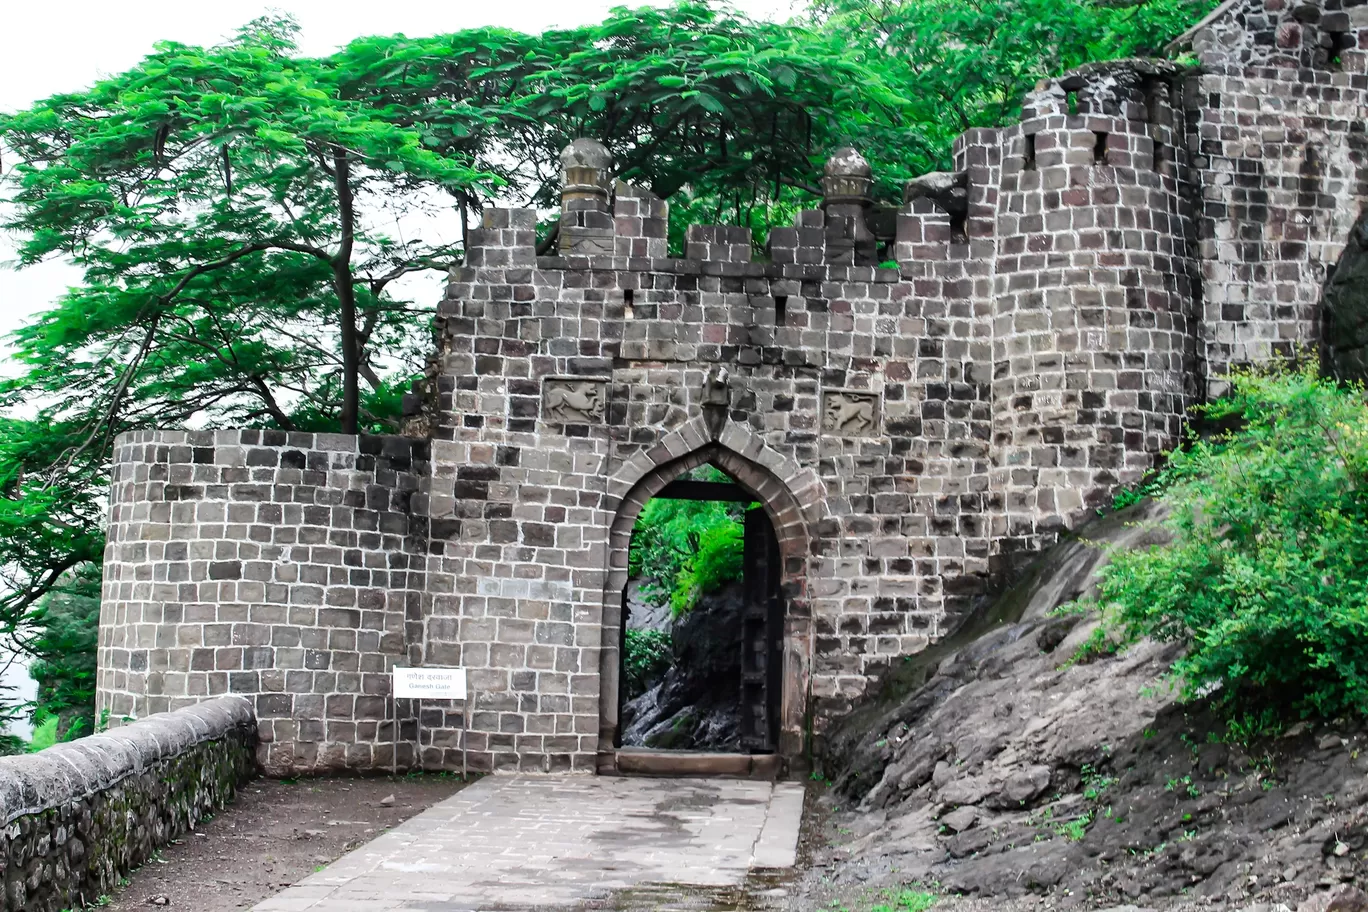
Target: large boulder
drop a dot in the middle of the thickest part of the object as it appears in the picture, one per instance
(697, 706)
(1003, 761)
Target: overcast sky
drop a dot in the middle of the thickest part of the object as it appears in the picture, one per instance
(56, 47)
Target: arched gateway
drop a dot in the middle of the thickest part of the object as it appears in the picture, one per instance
(777, 627)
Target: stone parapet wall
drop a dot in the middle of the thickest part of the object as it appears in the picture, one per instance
(80, 816)
(285, 567)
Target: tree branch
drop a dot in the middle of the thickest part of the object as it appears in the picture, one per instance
(346, 293)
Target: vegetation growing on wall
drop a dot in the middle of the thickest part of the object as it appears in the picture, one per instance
(228, 205)
(647, 656)
(684, 548)
(1266, 576)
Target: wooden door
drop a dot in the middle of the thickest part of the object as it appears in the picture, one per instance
(762, 636)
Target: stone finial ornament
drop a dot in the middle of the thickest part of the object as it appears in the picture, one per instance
(586, 170)
(586, 223)
(847, 178)
(847, 184)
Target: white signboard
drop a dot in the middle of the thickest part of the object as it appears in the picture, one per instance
(430, 683)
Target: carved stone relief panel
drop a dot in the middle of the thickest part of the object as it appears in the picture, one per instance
(850, 413)
(573, 400)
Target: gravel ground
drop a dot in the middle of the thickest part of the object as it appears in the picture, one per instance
(274, 834)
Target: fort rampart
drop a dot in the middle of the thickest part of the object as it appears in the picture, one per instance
(919, 411)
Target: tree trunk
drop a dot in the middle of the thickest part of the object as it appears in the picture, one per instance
(346, 296)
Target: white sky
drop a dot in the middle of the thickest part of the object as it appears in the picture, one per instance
(67, 45)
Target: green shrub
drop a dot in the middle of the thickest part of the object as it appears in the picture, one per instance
(1265, 578)
(684, 548)
(648, 655)
(905, 900)
(1149, 485)
(719, 559)
(44, 735)
(66, 625)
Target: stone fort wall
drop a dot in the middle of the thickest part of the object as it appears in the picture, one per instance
(915, 433)
(285, 567)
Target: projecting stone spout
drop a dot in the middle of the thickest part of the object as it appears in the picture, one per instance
(947, 189)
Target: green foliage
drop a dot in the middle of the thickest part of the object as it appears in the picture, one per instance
(719, 560)
(61, 635)
(1074, 829)
(44, 735)
(962, 65)
(1265, 578)
(905, 901)
(684, 548)
(648, 655)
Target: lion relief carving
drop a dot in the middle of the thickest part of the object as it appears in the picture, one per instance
(574, 401)
(850, 414)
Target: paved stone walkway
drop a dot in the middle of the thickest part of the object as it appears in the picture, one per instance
(524, 842)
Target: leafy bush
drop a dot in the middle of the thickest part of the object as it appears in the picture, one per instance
(44, 735)
(905, 900)
(719, 560)
(1149, 485)
(66, 624)
(687, 547)
(1265, 577)
(649, 654)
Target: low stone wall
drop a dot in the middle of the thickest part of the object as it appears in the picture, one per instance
(79, 816)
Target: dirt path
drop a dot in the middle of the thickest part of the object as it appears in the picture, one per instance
(275, 834)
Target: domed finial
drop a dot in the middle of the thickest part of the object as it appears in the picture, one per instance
(586, 153)
(586, 171)
(848, 162)
(847, 177)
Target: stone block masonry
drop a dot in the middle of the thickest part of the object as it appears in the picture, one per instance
(286, 567)
(79, 816)
(915, 430)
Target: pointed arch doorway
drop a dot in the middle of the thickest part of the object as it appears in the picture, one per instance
(774, 628)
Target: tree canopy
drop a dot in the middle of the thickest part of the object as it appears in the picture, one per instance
(235, 209)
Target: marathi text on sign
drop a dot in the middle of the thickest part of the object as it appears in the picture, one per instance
(430, 683)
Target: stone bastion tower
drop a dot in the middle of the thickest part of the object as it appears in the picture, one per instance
(918, 409)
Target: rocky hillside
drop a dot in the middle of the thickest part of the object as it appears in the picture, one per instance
(694, 706)
(997, 765)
